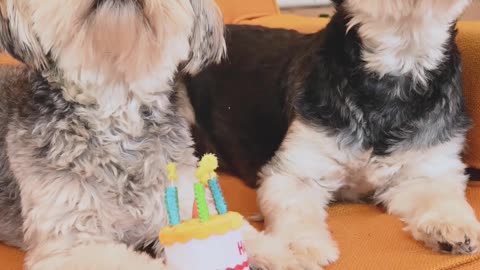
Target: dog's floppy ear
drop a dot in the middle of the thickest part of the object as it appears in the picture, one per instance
(16, 36)
(207, 40)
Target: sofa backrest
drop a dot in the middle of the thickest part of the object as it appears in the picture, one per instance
(235, 11)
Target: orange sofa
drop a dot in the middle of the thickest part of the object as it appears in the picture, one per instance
(368, 238)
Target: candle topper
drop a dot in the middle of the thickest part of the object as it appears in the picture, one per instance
(206, 174)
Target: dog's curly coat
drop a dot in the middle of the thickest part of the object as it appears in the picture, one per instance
(370, 107)
(89, 122)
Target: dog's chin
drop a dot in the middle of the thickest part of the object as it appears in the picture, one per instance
(406, 9)
(121, 41)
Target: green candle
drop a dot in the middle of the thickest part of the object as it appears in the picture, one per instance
(201, 201)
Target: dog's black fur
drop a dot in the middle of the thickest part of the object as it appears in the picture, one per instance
(244, 106)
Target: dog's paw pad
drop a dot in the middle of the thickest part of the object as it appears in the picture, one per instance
(455, 237)
(464, 247)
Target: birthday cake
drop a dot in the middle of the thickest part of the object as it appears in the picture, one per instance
(206, 242)
(215, 244)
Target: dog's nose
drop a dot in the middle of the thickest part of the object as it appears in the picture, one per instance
(99, 3)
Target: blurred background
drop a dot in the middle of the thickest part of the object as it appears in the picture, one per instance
(323, 8)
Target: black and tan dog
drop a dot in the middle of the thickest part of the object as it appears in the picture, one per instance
(369, 107)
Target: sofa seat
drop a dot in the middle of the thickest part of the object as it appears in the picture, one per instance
(368, 238)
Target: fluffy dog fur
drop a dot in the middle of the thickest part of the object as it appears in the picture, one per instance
(89, 123)
(370, 107)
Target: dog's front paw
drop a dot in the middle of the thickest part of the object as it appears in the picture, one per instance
(454, 234)
(312, 251)
(274, 252)
(267, 252)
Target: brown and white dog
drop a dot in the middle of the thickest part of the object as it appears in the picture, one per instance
(371, 107)
(89, 122)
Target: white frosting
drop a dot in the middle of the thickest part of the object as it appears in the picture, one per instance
(219, 252)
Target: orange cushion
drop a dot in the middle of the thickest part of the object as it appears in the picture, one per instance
(10, 258)
(7, 60)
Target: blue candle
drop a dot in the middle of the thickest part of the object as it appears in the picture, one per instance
(171, 196)
(171, 201)
(217, 194)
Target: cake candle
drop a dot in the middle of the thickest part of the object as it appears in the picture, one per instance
(217, 194)
(171, 197)
(201, 201)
